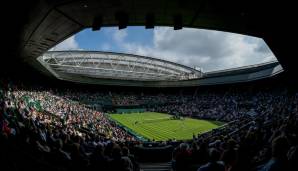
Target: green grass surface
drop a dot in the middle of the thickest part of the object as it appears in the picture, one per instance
(160, 126)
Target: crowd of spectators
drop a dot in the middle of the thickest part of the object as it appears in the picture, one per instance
(53, 130)
(251, 141)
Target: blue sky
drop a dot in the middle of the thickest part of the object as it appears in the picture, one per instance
(106, 39)
(206, 49)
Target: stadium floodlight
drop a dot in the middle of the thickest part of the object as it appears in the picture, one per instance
(97, 23)
(122, 18)
(177, 22)
(150, 21)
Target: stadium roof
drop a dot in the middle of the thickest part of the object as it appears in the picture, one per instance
(119, 66)
(37, 26)
(108, 68)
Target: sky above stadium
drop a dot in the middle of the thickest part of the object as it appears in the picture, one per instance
(205, 49)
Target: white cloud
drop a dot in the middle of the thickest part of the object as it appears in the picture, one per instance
(210, 50)
(105, 47)
(119, 35)
(68, 44)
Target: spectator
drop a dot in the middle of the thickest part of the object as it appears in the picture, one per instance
(213, 164)
(279, 155)
(119, 162)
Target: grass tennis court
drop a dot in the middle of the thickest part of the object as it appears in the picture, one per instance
(160, 126)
